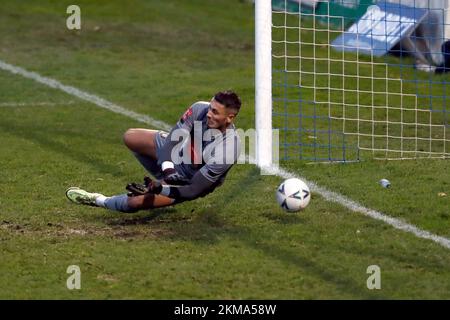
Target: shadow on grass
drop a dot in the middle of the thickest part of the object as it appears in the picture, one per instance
(129, 220)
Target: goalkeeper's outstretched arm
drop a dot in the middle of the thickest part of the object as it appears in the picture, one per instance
(164, 195)
(198, 186)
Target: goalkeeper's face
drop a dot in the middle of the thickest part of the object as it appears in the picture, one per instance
(219, 117)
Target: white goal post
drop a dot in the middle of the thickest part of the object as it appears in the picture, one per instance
(263, 82)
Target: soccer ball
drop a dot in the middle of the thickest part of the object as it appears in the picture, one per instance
(293, 195)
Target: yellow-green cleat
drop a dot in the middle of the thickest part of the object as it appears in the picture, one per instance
(80, 196)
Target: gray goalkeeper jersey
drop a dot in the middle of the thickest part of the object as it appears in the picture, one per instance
(207, 165)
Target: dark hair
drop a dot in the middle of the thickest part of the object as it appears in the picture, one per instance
(229, 99)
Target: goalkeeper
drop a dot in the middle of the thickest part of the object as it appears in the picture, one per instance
(184, 170)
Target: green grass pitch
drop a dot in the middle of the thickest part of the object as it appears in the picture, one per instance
(156, 58)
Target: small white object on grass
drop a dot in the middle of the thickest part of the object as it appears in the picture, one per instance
(385, 183)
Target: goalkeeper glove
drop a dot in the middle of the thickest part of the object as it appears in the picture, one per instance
(149, 186)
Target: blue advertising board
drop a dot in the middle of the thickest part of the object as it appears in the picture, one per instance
(380, 28)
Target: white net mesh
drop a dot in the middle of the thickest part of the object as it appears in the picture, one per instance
(352, 80)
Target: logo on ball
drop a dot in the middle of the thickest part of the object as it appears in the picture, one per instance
(293, 195)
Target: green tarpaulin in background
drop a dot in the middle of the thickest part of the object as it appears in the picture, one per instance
(290, 6)
(338, 13)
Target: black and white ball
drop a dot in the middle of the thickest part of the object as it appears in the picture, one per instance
(293, 195)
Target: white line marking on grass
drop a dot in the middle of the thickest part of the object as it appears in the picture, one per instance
(84, 95)
(356, 207)
(34, 104)
(326, 194)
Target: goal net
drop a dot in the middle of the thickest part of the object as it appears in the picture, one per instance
(359, 79)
